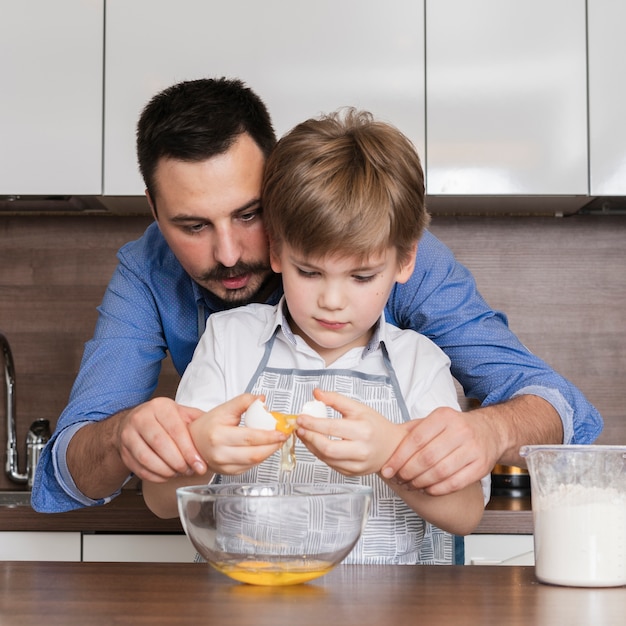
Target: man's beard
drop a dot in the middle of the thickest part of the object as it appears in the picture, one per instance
(254, 291)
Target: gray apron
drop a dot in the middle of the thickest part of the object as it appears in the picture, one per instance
(394, 533)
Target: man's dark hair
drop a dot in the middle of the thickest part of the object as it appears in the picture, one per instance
(198, 119)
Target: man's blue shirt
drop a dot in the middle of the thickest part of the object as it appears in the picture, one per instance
(152, 307)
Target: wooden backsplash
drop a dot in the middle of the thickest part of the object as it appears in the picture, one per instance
(561, 281)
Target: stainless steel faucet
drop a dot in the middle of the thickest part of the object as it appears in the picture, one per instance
(37, 436)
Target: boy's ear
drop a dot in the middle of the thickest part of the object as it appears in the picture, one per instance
(406, 269)
(275, 263)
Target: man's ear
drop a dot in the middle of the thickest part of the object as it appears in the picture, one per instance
(406, 269)
(151, 204)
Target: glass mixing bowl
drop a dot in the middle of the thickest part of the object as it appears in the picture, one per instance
(274, 534)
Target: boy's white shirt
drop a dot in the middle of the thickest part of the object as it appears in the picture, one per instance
(233, 345)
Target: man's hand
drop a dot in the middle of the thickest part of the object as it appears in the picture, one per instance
(357, 445)
(448, 450)
(154, 442)
(151, 440)
(444, 452)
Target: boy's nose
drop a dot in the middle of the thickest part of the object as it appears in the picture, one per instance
(332, 296)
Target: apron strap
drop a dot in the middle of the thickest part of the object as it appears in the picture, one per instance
(395, 384)
(263, 362)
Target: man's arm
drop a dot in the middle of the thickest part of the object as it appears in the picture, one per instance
(441, 301)
(93, 459)
(524, 401)
(120, 369)
(449, 450)
(524, 420)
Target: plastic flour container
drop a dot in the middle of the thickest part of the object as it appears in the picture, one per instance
(578, 498)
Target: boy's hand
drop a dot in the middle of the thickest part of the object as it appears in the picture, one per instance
(361, 442)
(228, 448)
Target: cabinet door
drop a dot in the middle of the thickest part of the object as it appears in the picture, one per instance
(51, 107)
(39, 546)
(302, 58)
(506, 97)
(138, 548)
(499, 550)
(607, 97)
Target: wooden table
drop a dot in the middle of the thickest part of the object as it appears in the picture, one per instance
(140, 593)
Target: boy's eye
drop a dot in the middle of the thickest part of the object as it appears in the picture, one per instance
(306, 273)
(364, 279)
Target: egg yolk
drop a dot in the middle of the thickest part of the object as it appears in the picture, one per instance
(284, 422)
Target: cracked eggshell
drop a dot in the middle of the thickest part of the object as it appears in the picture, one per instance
(314, 408)
(257, 416)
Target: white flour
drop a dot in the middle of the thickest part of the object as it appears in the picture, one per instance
(580, 536)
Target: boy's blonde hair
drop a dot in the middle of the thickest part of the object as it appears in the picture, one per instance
(344, 184)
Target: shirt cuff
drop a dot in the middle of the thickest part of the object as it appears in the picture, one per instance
(556, 399)
(485, 483)
(62, 472)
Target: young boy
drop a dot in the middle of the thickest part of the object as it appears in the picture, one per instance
(343, 206)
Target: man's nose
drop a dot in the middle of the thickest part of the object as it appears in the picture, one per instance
(226, 248)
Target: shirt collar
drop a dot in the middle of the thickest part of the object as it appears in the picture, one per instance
(280, 321)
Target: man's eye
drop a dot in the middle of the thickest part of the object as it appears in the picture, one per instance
(250, 215)
(195, 228)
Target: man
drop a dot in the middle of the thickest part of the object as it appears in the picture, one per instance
(202, 146)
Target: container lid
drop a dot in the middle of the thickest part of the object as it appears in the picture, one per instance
(526, 450)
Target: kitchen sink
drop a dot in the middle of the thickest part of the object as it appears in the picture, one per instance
(14, 498)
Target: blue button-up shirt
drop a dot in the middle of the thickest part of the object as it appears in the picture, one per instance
(152, 307)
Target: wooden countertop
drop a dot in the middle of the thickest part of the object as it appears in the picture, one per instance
(35, 593)
(128, 514)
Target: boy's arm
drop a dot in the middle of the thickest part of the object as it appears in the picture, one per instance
(458, 513)
(160, 498)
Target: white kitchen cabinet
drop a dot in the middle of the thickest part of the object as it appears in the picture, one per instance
(499, 550)
(51, 107)
(607, 97)
(506, 100)
(302, 58)
(39, 546)
(138, 548)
